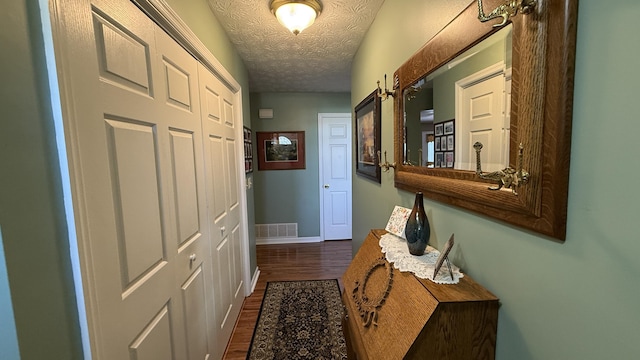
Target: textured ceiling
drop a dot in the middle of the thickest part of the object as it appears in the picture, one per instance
(317, 60)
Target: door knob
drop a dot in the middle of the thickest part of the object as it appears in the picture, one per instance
(326, 186)
(192, 257)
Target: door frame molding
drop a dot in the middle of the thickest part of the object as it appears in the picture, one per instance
(321, 118)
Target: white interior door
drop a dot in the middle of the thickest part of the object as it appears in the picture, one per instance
(220, 151)
(335, 175)
(134, 130)
(480, 117)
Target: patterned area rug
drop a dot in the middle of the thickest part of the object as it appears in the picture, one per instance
(299, 320)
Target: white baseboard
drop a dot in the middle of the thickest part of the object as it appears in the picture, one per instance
(288, 240)
(254, 279)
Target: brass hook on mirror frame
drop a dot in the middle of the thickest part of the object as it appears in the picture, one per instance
(506, 10)
(508, 177)
(385, 165)
(408, 161)
(384, 95)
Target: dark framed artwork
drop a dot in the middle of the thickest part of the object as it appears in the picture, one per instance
(440, 160)
(367, 114)
(449, 142)
(280, 150)
(448, 158)
(448, 127)
(439, 128)
(248, 151)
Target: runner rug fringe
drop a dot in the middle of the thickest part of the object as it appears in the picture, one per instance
(299, 320)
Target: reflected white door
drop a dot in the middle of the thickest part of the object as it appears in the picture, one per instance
(480, 116)
(220, 151)
(335, 175)
(135, 141)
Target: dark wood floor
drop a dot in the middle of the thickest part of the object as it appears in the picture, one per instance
(325, 260)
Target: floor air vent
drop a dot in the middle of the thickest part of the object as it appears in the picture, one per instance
(276, 231)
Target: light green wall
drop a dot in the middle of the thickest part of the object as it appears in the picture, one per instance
(423, 100)
(292, 196)
(200, 19)
(31, 201)
(576, 300)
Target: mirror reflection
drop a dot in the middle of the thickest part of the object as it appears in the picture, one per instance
(462, 102)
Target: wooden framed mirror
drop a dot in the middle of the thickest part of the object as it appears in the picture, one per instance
(537, 113)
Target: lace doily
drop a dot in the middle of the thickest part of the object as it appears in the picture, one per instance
(397, 252)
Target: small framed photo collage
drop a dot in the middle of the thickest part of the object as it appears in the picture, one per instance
(444, 147)
(248, 151)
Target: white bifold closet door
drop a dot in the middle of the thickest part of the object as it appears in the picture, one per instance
(219, 131)
(156, 199)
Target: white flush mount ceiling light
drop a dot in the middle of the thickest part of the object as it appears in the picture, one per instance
(296, 15)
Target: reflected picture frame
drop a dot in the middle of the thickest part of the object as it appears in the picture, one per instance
(367, 137)
(440, 160)
(448, 159)
(449, 127)
(450, 144)
(439, 129)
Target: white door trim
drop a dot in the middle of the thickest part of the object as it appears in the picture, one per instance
(321, 118)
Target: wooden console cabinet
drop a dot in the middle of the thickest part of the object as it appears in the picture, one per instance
(419, 319)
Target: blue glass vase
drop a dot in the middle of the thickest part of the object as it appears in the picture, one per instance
(417, 230)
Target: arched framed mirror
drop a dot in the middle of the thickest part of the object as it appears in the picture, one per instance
(501, 86)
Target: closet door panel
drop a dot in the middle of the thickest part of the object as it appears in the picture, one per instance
(219, 127)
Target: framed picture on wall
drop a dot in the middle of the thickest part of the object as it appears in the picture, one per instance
(367, 115)
(449, 142)
(439, 129)
(448, 158)
(440, 159)
(281, 150)
(448, 127)
(248, 151)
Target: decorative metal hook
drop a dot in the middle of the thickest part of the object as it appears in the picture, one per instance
(384, 95)
(506, 10)
(508, 177)
(407, 161)
(385, 165)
